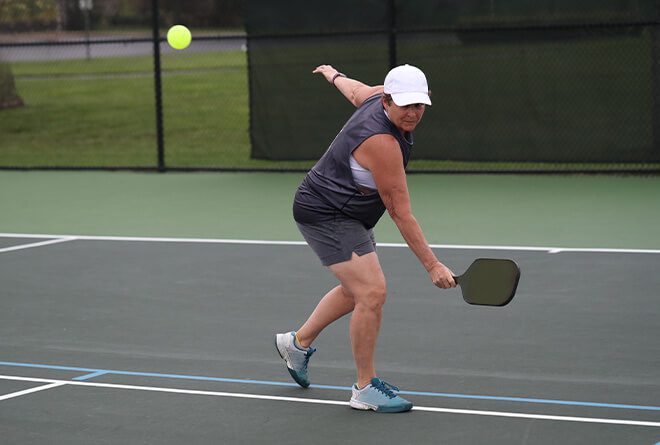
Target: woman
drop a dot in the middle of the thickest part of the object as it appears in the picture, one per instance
(361, 175)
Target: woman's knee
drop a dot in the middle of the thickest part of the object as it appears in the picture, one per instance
(373, 296)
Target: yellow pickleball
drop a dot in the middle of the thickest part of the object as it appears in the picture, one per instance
(179, 37)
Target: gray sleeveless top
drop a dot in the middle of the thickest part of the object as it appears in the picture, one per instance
(329, 188)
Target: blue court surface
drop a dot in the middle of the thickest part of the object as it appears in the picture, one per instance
(170, 341)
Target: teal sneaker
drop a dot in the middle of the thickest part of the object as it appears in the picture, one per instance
(296, 359)
(380, 397)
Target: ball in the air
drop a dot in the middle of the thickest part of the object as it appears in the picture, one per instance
(179, 37)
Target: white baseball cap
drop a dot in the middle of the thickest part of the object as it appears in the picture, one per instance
(407, 85)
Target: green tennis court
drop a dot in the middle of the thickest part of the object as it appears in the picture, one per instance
(140, 308)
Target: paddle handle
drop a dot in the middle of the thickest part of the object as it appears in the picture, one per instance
(457, 279)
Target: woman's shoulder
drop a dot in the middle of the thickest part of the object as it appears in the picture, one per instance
(367, 94)
(374, 97)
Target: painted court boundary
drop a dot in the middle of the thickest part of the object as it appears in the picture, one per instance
(39, 244)
(92, 373)
(63, 238)
(59, 383)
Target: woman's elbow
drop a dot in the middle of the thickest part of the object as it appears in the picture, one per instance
(400, 216)
(355, 99)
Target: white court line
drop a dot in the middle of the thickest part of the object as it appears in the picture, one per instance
(539, 416)
(302, 243)
(157, 239)
(333, 402)
(31, 390)
(42, 243)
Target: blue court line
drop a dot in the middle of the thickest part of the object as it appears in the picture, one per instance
(89, 376)
(92, 372)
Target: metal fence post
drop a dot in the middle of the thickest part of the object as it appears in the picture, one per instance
(158, 86)
(655, 78)
(392, 33)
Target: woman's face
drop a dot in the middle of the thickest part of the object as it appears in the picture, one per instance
(405, 118)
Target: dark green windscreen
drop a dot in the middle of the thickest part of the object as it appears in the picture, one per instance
(516, 81)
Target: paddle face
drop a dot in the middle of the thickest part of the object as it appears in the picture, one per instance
(489, 282)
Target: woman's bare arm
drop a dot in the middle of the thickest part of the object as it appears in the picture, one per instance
(382, 156)
(355, 91)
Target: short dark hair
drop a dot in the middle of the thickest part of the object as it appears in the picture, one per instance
(388, 97)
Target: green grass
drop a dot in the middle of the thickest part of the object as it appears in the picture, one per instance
(101, 113)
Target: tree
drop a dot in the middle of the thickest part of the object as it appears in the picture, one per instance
(9, 98)
(62, 16)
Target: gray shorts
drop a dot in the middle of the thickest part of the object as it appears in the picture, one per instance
(335, 241)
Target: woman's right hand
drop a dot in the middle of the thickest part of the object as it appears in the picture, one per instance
(442, 276)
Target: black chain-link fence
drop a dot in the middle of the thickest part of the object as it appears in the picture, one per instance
(90, 98)
(549, 85)
(94, 104)
(517, 86)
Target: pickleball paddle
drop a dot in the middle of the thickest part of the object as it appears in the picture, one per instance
(489, 282)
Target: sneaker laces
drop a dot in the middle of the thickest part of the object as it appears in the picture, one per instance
(385, 388)
(390, 387)
(308, 354)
